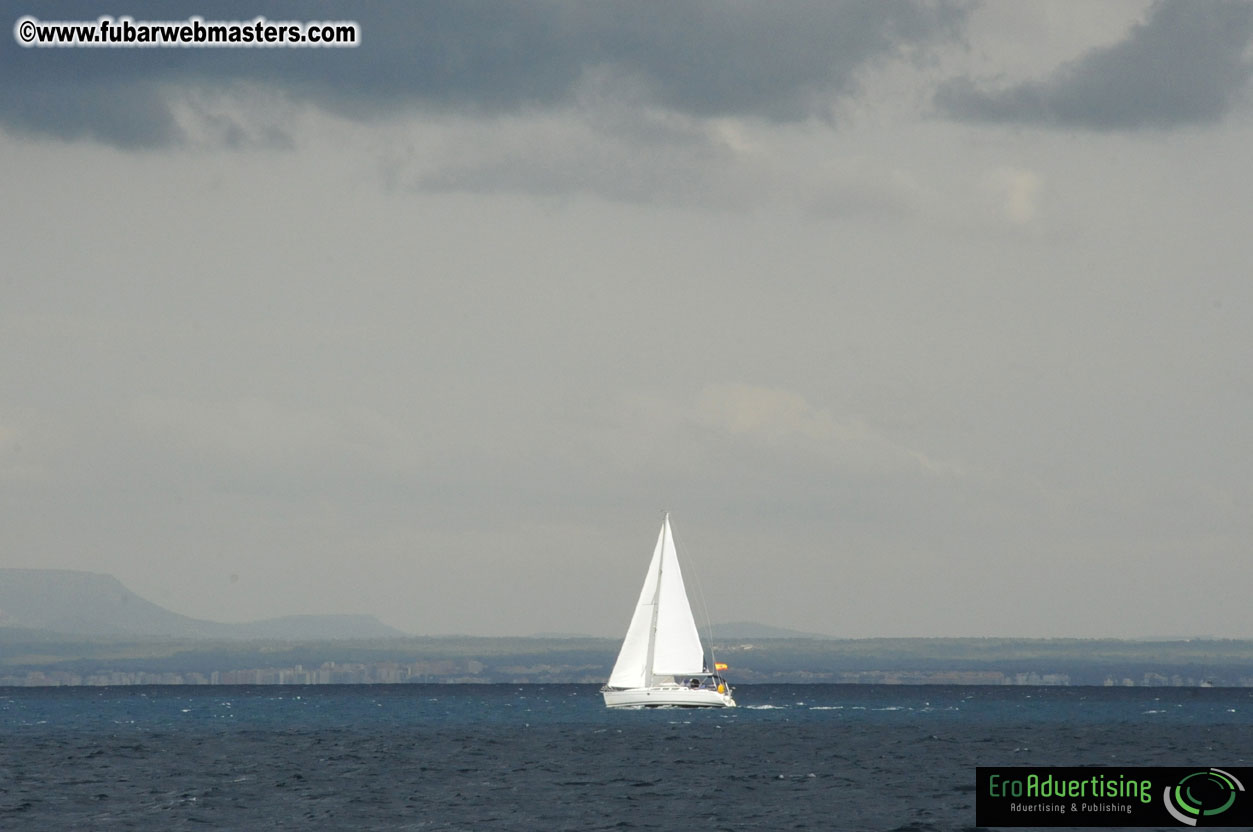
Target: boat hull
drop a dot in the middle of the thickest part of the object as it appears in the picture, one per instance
(667, 697)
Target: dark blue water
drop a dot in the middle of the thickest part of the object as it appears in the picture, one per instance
(552, 757)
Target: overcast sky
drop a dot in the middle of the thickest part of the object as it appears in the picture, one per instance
(921, 318)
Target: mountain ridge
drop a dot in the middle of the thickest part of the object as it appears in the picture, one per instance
(76, 602)
(755, 629)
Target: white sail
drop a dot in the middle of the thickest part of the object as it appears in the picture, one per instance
(676, 649)
(631, 669)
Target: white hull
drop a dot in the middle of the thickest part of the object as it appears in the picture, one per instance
(672, 696)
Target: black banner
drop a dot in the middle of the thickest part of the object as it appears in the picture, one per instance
(1114, 796)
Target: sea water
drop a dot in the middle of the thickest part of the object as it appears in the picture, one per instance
(551, 757)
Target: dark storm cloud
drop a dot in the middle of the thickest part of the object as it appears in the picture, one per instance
(700, 57)
(1185, 64)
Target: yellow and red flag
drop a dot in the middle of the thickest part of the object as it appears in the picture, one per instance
(719, 666)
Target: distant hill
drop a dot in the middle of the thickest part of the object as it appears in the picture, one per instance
(754, 629)
(737, 630)
(93, 604)
(314, 628)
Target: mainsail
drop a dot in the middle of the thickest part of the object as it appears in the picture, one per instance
(662, 639)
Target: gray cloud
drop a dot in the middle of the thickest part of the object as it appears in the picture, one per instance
(778, 61)
(1185, 64)
(125, 115)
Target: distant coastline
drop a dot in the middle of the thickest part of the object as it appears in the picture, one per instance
(35, 658)
(81, 628)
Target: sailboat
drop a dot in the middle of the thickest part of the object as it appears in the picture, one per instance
(662, 662)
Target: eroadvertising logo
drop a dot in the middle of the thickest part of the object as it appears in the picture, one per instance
(1113, 796)
(1203, 796)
